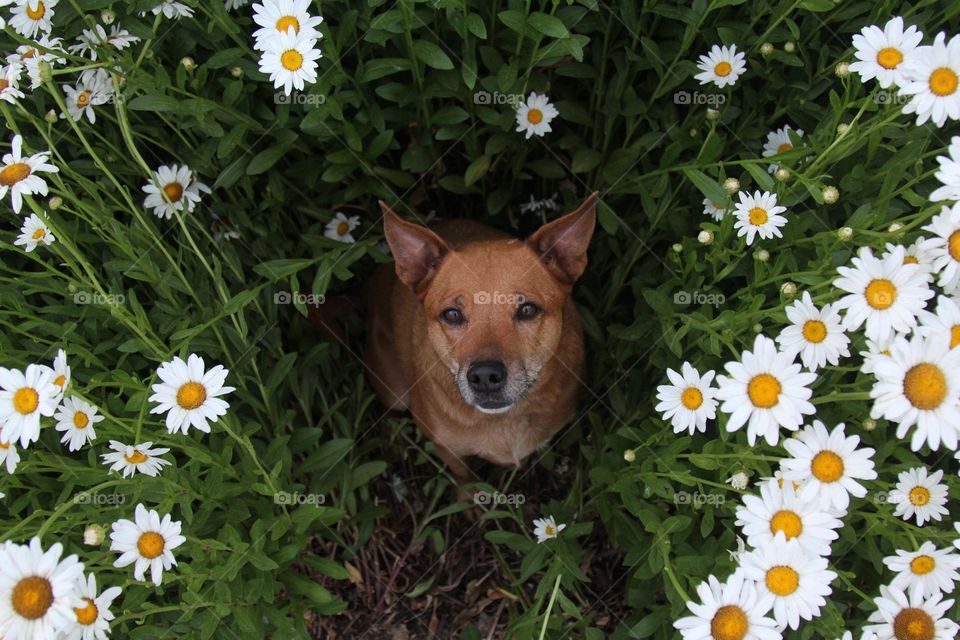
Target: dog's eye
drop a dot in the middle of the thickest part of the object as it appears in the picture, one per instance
(452, 316)
(527, 311)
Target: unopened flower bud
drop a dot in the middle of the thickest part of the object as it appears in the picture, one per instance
(869, 424)
(705, 237)
(713, 114)
(830, 194)
(678, 248)
(236, 72)
(789, 46)
(842, 128)
(94, 535)
(762, 255)
(845, 234)
(896, 227)
(629, 455)
(766, 48)
(55, 202)
(782, 174)
(842, 70)
(107, 17)
(187, 63)
(788, 289)
(731, 185)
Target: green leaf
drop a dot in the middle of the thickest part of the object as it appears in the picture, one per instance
(709, 187)
(547, 25)
(432, 55)
(477, 169)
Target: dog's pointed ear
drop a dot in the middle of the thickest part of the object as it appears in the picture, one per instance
(562, 244)
(416, 250)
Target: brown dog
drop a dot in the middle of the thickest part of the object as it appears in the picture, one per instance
(476, 334)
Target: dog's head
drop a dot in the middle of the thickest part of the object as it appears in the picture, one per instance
(494, 308)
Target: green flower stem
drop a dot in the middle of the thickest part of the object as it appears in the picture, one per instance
(63, 508)
(546, 614)
(668, 569)
(842, 397)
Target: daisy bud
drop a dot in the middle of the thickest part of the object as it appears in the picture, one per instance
(187, 63)
(842, 70)
(766, 48)
(789, 46)
(694, 133)
(842, 128)
(896, 227)
(713, 114)
(46, 72)
(782, 174)
(678, 248)
(845, 234)
(739, 481)
(758, 328)
(629, 455)
(788, 289)
(94, 535)
(762, 255)
(55, 202)
(731, 185)
(51, 116)
(830, 194)
(869, 424)
(107, 17)
(236, 72)
(705, 237)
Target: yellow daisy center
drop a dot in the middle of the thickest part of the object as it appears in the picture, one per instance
(136, 457)
(880, 294)
(150, 545)
(889, 58)
(32, 597)
(814, 331)
(80, 420)
(173, 191)
(827, 466)
(758, 216)
(4, 445)
(919, 496)
(943, 82)
(4, 84)
(914, 624)
(548, 531)
(286, 22)
(764, 391)
(723, 69)
(39, 233)
(788, 522)
(14, 173)
(691, 398)
(729, 623)
(922, 565)
(782, 581)
(925, 386)
(954, 335)
(191, 395)
(342, 229)
(953, 245)
(534, 116)
(87, 615)
(61, 380)
(38, 13)
(26, 400)
(786, 146)
(83, 98)
(291, 59)
(910, 260)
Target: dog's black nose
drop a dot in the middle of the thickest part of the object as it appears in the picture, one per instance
(486, 377)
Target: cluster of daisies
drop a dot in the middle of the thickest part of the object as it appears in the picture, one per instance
(41, 595)
(287, 42)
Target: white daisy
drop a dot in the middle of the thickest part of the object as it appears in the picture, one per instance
(758, 214)
(739, 481)
(277, 17)
(133, 458)
(816, 334)
(876, 349)
(46, 49)
(924, 572)
(76, 419)
(689, 401)
(546, 528)
(945, 321)
(291, 60)
(789, 581)
(19, 174)
(919, 495)
(945, 247)
(919, 384)
(885, 293)
(61, 373)
(534, 115)
(37, 590)
(920, 252)
(173, 189)
(766, 390)
(230, 5)
(913, 618)
(956, 543)
(778, 142)
(31, 17)
(33, 233)
(828, 465)
(779, 510)
(147, 541)
(722, 66)
(24, 397)
(10, 82)
(340, 227)
(949, 173)
(189, 395)
(717, 210)
(931, 76)
(88, 93)
(172, 9)
(880, 52)
(727, 611)
(9, 456)
(92, 39)
(92, 618)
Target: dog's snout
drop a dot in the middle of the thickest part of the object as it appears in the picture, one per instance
(487, 377)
